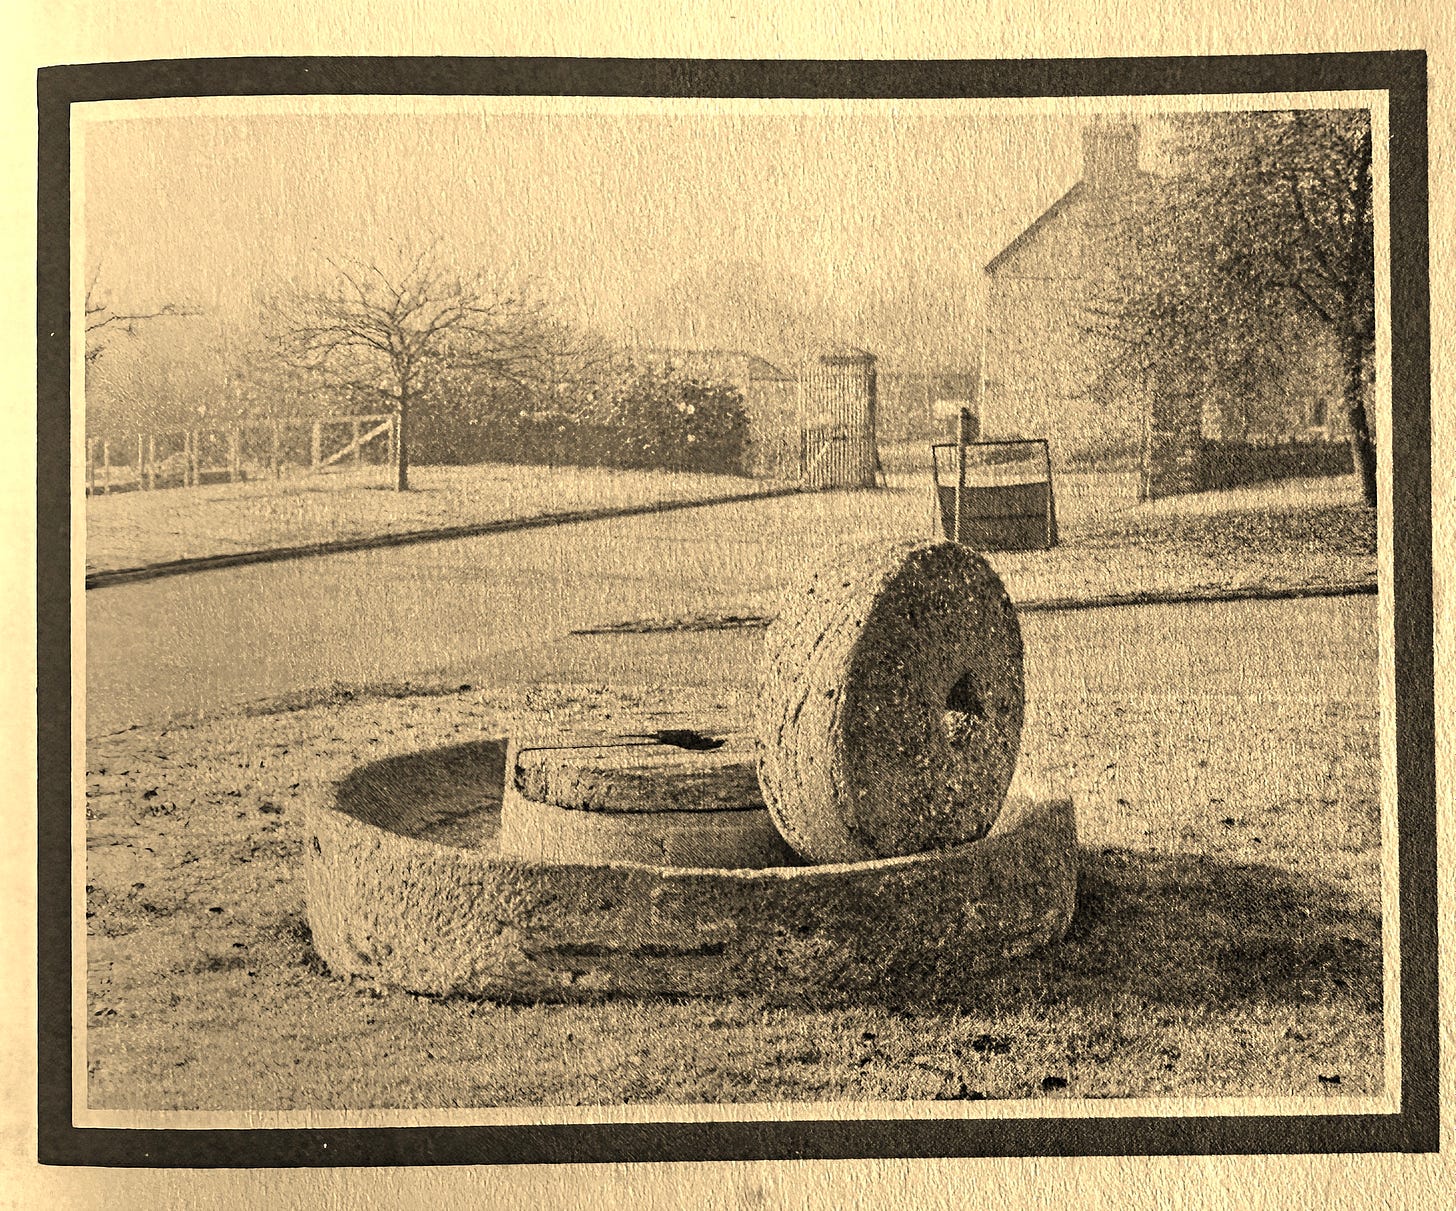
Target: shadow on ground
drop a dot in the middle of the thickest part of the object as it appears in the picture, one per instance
(1186, 931)
(447, 795)
(1182, 930)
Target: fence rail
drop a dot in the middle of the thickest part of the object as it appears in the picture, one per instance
(176, 458)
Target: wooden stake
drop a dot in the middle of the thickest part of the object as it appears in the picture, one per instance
(963, 424)
(1051, 498)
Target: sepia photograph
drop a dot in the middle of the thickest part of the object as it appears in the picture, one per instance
(613, 607)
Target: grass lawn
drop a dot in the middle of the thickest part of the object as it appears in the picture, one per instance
(1295, 534)
(131, 529)
(1227, 940)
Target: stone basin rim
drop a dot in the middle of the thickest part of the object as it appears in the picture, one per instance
(431, 917)
(1017, 808)
(1018, 805)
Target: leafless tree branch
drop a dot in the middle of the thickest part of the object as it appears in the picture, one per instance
(100, 316)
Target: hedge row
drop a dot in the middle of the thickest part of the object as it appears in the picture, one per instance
(653, 419)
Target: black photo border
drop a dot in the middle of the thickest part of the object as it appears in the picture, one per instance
(1401, 74)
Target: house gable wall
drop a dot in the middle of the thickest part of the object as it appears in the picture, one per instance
(1040, 365)
(1045, 375)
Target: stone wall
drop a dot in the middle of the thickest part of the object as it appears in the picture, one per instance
(1178, 465)
(1234, 464)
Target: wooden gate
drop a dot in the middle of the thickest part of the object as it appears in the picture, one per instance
(825, 458)
(837, 411)
(184, 458)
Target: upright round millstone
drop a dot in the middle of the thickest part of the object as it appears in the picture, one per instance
(890, 713)
(669, 796)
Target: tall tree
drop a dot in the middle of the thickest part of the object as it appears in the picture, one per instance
(1265, 218)
(102, 318)
(385, 329)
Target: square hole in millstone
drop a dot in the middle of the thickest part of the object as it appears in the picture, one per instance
(964, 711)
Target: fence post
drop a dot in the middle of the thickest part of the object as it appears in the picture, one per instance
(235, 454)
(963, 424)
(106, 465)
(317, 448)
(140, 461)
(1052, 536)
(151, 460)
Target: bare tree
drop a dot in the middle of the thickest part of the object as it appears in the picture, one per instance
(385, 331)
(102, 317)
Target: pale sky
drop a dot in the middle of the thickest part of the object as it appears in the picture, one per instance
(880, 219)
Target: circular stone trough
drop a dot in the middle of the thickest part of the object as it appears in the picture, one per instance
(407, 886)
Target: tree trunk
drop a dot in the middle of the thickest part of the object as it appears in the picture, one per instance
(401, 445)
(1358, 347)
(1362, 444)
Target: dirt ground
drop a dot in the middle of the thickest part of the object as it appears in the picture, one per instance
(1293, 532)
(1298, 535)
(1227, 941)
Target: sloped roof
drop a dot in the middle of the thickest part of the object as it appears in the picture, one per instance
(1037, 224)
(846, 353)
(760, 368)
(755, 366)
(1139, 183)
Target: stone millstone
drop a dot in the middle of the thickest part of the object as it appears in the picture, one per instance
(636, 772)
(890, 712)
(671, 797)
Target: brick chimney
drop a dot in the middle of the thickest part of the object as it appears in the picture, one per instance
(1109, 153)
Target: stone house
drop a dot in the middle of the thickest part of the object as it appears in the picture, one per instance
(1045, 374)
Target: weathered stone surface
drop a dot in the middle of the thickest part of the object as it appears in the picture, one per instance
(443, 919)
(547, 832)
(682, 798)
(892, 701)
(628, 771)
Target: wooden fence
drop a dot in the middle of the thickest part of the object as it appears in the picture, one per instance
(178, 458)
